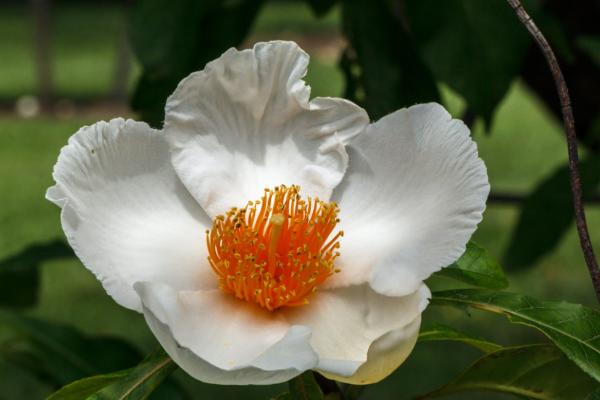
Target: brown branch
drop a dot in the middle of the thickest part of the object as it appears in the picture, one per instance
(569, 124)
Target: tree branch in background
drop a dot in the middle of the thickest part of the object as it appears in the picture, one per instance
(41, 16)
(569, 124)
(123, 63)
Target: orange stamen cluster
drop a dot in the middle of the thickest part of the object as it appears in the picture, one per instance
(275, 251)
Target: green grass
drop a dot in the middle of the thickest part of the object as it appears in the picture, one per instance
(17, 69)
(83, 39)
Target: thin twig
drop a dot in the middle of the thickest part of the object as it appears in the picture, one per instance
(569, 124)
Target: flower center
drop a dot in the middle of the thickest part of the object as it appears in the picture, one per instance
(275, 251)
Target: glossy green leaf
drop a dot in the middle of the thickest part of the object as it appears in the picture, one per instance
(61, 353)
(305, 387)
(476, 267)
(137, 383)
(170, 45)
(547, 214)
(474, 46)
(140, 381)
(575, 329)
(86, 387)
(535, 371)
(389, 68)
(19, 273)
(439, 332)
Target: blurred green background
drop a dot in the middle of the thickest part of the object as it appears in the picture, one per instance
(87, 45)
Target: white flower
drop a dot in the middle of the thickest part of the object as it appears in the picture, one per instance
(137, 203)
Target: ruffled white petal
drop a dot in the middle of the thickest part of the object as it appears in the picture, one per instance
(125, 212)
(359, 335)
(218, 339)
(411, 199)
(385, 355)
(245, 123)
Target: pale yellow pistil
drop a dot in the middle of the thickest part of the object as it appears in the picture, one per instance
(275, 252)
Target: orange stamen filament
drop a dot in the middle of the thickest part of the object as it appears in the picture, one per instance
(275, 252)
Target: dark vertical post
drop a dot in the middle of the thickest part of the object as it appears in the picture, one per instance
(123, 62)
(42, 31)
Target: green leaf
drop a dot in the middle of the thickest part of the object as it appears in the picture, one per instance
(390, 70)
(85, 387)
(575, 329)
(133, 384)
(439, 332)
(476, 267)
(474, 46)
(547, 214)
(19, 273)
(305, 387)
(60, 352)
(141, 381)
(170, 45)
(535, 371)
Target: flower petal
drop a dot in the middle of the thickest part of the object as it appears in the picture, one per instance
(359, 335)
(245, 123)
(125, 212)
(219, 339)
(413, 195)
(385, 355)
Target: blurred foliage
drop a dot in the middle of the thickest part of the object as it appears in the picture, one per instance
(170, 45)
(546, 214)
(59, 354)
(534, 371)
(19, 274)
(473, 46)
(568, 27)
(572, 327)
(142, 382)
(531, 371)
(383, 75)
